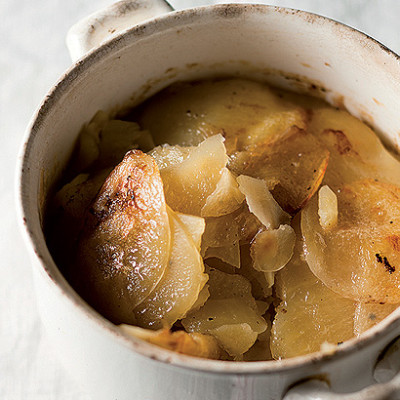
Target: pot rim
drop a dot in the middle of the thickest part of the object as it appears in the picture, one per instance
(48, 267)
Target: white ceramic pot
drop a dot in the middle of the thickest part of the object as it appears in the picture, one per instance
(287, 48)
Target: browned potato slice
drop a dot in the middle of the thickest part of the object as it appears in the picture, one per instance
(125, 245)
(310, 314)
(356, 151)
(360, 257)
(179, 288)
(272, 249)
(245, 112)
(192, 344)
(230, 309)
(189, 183)
(225, 199)
(368, 315)
(305, 160)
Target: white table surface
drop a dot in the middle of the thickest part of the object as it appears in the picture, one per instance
(32, 57)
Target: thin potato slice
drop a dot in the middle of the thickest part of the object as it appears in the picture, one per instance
(310, 314)
(327, 208)
(356, 151)
(235, 339)
(189, 183)
(225, 199)
(261, 203)
(191, 344)
(117, 137)
(179, 288)
(195, 226)
(368, 315)
(228, 230)
(247, 113)
(271, 250)
(305, 160)
(230, 305)
(124, 248)
(360, 257)
(228, 254)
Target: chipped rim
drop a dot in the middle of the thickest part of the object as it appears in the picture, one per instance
(36, 244)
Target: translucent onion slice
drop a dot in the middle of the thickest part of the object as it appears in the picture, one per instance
(125, 245)
(192, 344)
(360, 257)
(179, 288)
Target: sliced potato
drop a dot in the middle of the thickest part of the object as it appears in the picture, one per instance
(117, 137)
(194, 225)
(359, 258)
(310, 314)
(228, 254)
(368, 315)
(272, 249)
(235, 339)
(261, 203)
(228, 230)
(327, 208)
(125, 245)
(229, 306)
(247, 113)
(87, 148)
(356, 151)
(189, 183)
(179, 288)
(225, 199)
(305, 160)
(192, 344)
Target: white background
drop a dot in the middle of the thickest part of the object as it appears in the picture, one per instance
(32, 57)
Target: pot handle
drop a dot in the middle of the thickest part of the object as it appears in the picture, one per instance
(386, 374)
(108, 22)
(319, 390)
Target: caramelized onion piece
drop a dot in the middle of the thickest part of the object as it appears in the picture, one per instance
(125, 245)
(360, 257)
